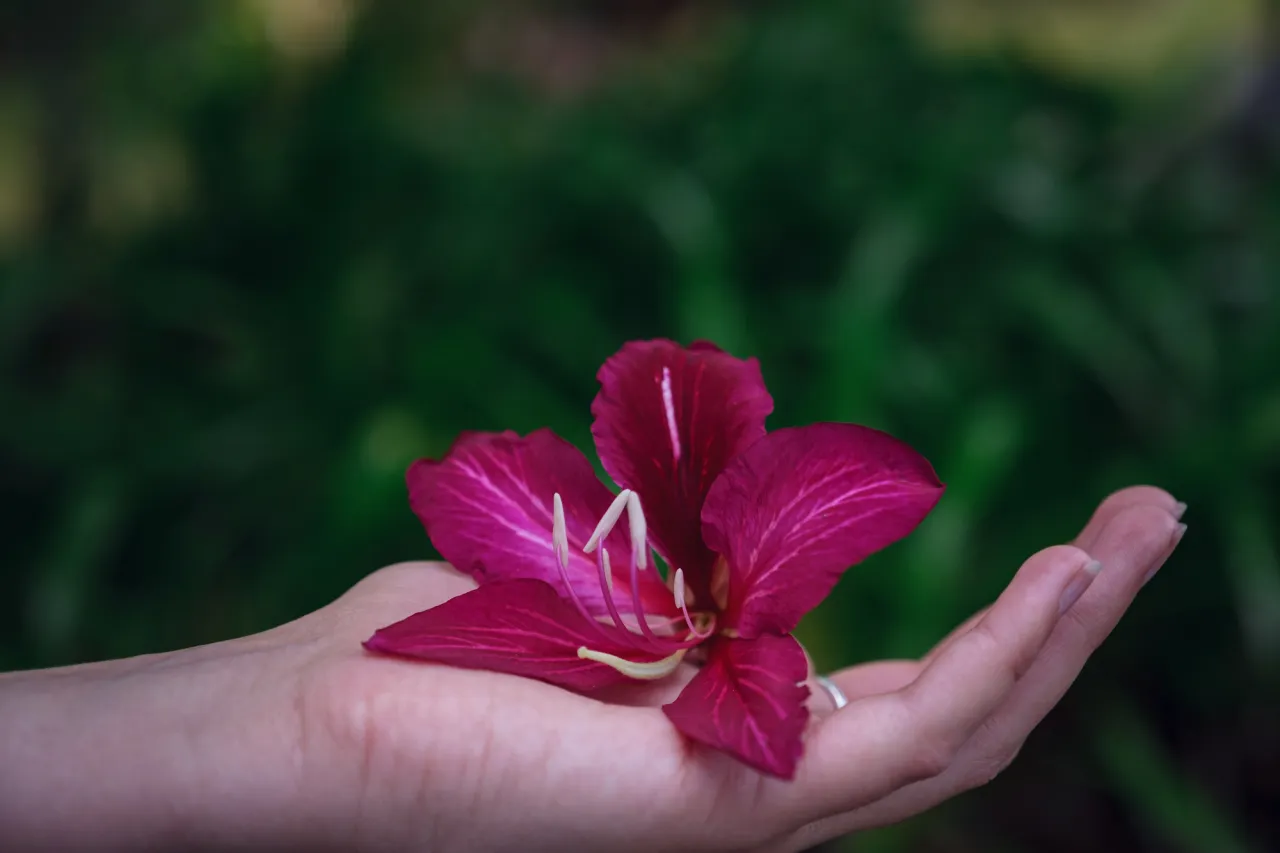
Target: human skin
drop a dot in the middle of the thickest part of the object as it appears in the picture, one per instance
(297, 738)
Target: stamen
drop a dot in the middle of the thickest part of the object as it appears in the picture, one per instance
(642, 671)
(684, 608)
(606, 584)
(559, 534)
(668, 403)
(649, 642)
(605, 568)
(635, 598)
(611, 516)
(639, 540)
(562, 561)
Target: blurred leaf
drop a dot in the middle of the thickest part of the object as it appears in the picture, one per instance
(68, 577)
(1169, 805)
(1254, 568)
(1088, 332)
(708, 305)
(858, 324)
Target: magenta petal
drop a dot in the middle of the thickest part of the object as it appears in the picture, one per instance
(667, 421)
(487, 508)
(748, 701)
(521, 627)
(802, 505)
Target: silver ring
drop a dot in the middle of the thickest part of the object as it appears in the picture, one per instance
(833, 690)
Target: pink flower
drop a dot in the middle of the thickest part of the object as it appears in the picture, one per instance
(756, 530)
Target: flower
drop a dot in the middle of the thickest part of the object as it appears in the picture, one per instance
(755, 529)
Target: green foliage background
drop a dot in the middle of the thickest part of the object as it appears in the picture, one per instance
(250, 272)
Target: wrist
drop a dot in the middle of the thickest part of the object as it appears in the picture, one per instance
(179, 751)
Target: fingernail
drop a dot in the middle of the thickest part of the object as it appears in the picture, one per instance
(1177, 537)
(1078, 585)
(1178, 509)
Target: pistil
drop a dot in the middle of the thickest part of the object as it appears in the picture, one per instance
(640, 671)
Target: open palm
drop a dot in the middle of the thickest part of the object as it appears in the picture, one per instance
(440, 758)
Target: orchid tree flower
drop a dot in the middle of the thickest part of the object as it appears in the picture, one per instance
(754, 530)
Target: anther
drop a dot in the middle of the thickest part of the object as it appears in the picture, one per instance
(611, 516)
(639, 542)
(559, 535)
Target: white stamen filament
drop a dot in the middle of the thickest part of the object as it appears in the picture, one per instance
(560, 545)
(611, 516)
(639, 542)
(668, 403)
(642, 671)
(678, 591)
(559, 535)
(647, 643)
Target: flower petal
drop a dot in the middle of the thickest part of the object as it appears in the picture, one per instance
(748, 701)
(667, 421)
(521, 627)
(487, 507)
(800, 506)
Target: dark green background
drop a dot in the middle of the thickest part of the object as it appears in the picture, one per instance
(253, 265)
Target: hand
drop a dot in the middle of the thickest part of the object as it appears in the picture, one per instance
(297, 737)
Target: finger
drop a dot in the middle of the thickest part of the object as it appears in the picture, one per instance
(883, 742)
(895, 675)
(825, 696)
(876, 678)
(1087, 538)
(1119, 501)
(965, 627)
(1136, 540)
(859, 682)
(1127, 548)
